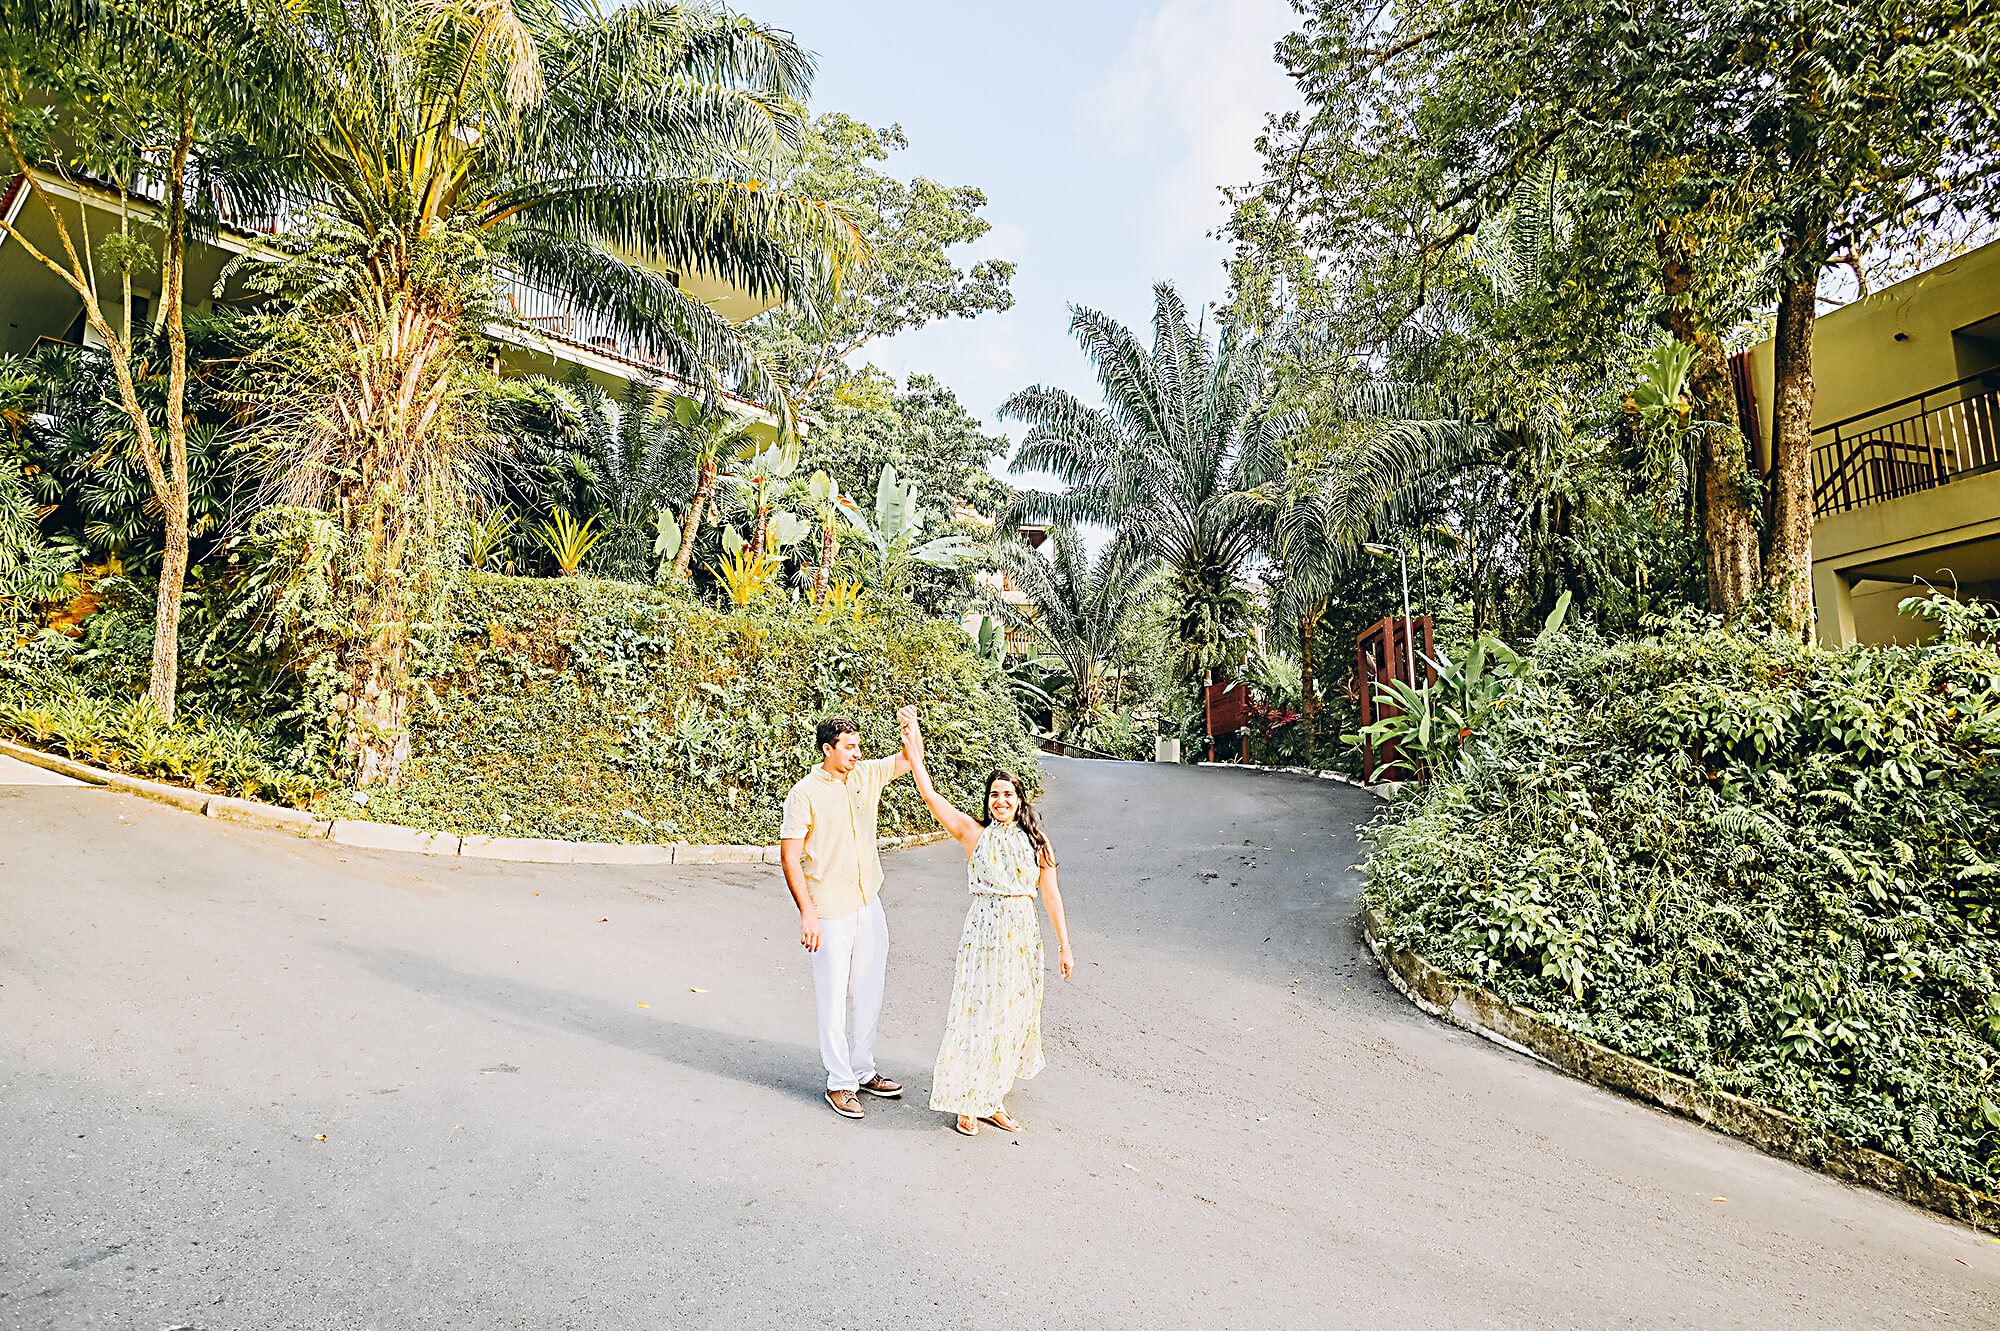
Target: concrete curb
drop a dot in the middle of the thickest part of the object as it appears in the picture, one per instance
(258, 814)
(392, 836)
(1382, 790)
(1777, 1133)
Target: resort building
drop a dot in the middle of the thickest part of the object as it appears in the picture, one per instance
(1906, 446)
(553, 336)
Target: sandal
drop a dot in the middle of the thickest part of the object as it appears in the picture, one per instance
(964, 1126)
(999, 1119)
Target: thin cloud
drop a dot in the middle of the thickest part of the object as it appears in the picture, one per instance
(1190, 94)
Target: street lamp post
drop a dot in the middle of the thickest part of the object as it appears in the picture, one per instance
(1409, 632)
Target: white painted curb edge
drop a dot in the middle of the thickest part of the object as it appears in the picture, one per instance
(1382, 790)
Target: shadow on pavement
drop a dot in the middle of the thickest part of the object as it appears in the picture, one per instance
(790, 1070)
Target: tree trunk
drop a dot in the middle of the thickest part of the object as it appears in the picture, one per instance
(1729, 520)
(829, 547)
(76, 270)
(691, 525)
(1722, 463)
(763, 527)
(1788, 563)
(165, 681)
(1309, 680)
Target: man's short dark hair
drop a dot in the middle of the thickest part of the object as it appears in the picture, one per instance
(831, 729)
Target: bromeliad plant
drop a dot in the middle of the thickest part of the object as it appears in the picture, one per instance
(569, 542)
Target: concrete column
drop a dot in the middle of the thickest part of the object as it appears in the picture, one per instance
(1833, 604)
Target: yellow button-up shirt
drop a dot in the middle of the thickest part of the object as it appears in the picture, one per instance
(836, 820)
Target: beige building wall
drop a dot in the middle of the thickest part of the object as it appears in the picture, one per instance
(1922, 333)
(1925, 332)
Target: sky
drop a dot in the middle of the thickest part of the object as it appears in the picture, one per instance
(1099, 130)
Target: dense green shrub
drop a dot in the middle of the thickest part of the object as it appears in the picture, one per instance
(1770, 867)
(48, 700)
(607, 712)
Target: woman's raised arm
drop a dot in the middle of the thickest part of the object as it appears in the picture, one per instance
(963, 828)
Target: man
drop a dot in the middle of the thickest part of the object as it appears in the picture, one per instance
(827, 845)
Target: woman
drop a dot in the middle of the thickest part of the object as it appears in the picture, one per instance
(993, 1035)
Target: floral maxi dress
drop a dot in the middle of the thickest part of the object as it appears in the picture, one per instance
(993, 1035)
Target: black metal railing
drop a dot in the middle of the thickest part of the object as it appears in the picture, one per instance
(1918, 443)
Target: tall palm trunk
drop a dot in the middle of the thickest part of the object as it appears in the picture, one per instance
(691, 525)
(1309, 682)
(392, 418)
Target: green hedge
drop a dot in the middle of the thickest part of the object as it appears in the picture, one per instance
(1771, 867)
(601, 711)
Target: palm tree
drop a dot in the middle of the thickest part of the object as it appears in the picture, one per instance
(1172, 460)
(1079, 607)
(707, 437)
(623, 455)
(587, 151)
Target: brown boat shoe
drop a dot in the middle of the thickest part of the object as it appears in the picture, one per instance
(846, 1104)
(882, 1086)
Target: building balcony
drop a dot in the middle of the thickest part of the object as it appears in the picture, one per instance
(1914, 444)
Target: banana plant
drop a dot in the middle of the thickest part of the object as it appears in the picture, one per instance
(893, 544)
(828, 503)
(1436, 724)
(760, 481)
(666, 541)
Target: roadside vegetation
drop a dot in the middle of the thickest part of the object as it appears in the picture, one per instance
(1771, 867)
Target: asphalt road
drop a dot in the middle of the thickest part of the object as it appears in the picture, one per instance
(248, 1082)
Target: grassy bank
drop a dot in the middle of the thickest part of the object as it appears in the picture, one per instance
(1771, 867)
(570, 708)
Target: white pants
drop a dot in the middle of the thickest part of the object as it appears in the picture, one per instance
(852, 961)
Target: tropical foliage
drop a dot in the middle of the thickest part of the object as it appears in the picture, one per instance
(600, 711)
(1767, 866)
(1075, 610)
(1186, 433)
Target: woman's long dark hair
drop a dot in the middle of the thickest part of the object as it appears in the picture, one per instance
(1025, 817)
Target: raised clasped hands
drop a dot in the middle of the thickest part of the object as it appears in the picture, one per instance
(913, 735)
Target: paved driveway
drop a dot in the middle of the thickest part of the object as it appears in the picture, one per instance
(247, 1082)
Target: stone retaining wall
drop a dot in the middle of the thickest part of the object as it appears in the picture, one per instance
(1528, 1032)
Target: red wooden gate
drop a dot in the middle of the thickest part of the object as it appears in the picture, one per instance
(1382, 653)
(1225, 711)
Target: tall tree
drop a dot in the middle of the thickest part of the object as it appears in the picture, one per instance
(593, 153)
(1732, 135)
(911, 227)
(95, 96)
(1171, 460)
(919, 427)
